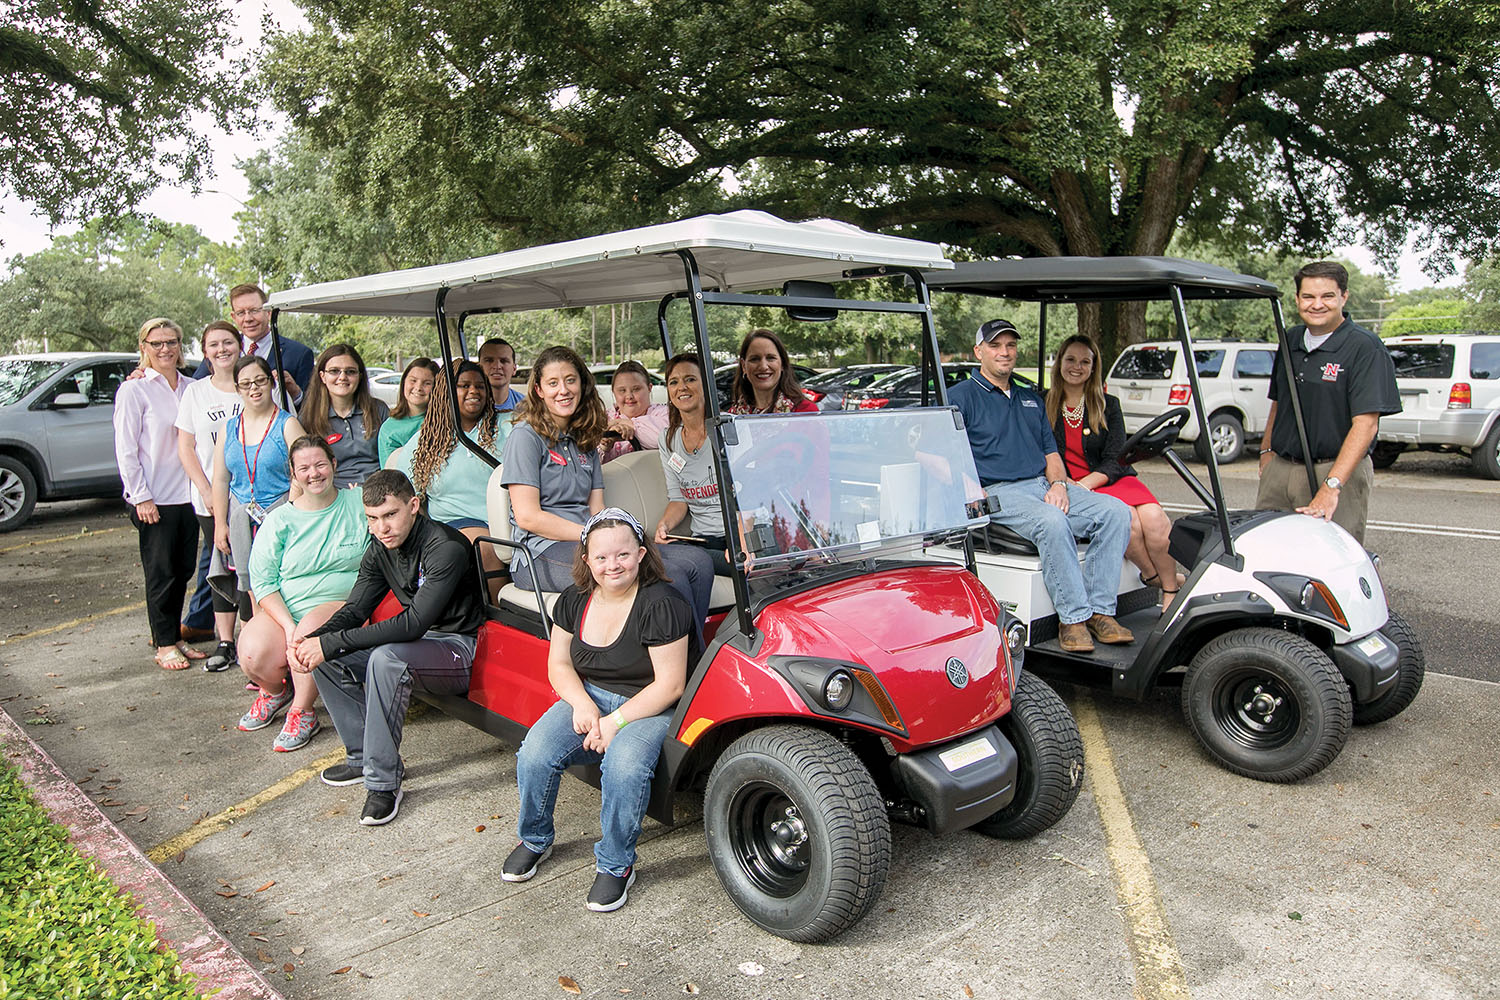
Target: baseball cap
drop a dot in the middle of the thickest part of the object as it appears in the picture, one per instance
(994, 328)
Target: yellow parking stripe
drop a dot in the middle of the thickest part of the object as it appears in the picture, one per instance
(85, 533)
(210, 825)
(1158, 966)
(138, 606)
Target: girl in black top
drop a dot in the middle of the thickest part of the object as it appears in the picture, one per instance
(618, 661)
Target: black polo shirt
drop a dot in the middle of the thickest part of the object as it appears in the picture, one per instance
(1350, 373)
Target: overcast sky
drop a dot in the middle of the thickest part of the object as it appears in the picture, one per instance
(212, 212)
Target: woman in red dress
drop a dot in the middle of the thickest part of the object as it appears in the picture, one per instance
(1090, 432)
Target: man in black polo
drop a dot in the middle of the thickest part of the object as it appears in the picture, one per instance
(365, 672)
(1346, 382)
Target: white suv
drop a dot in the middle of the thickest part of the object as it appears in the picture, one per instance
(1450, 399)
(1151, 378)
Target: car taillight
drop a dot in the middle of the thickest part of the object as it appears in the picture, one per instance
(813, 395)
(1460, 397)
(1179, 395)
(874, 402)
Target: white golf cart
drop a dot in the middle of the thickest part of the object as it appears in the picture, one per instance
(1281, 636)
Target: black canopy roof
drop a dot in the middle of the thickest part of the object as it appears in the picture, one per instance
(1099, 279)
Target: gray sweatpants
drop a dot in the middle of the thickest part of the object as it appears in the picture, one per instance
(368, 691)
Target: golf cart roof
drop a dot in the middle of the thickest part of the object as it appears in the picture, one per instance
(1100, 279)
(738, 251)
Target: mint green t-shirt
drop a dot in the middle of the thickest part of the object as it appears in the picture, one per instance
(394, 433)
(458, 490)
(310, 557)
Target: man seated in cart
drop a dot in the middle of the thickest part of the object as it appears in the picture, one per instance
(1016, 455)
(365, 671)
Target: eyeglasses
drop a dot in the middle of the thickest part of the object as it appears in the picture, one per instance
(344, 372)
(162, 345)
(247, 313)
(254, 383)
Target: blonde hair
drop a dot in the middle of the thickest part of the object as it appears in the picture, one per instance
(155, 323)
(1093, 389)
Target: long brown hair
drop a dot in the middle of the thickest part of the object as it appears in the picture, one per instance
(744, 392)
(674, 415)
(439, 434)
(402, 407)
(1093, 389)
(651, 570)
(589, 420)
(314, 412)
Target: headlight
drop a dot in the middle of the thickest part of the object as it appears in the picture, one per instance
(838, 690)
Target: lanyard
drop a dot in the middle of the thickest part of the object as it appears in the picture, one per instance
(244, 451)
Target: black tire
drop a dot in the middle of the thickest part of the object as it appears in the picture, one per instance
(1267, 704)
(17, 493)
(1385, 453)
(797, 831)
(1226, 435)
(1046, 739)
(1486, 458)
(1412, 667)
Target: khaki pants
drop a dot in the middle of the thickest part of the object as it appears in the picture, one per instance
(1283, 486)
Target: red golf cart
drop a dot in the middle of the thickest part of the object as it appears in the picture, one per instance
(849, 678)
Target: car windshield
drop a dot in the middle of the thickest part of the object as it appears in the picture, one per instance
(837, 487)
(18, 376)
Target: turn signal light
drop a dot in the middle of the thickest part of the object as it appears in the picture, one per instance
(882, 700)
(1460, 397)
(1179, 394)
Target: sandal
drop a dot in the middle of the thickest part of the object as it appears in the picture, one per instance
(1149, 581)
(1168, 593)
(171, 659)
(190, 653)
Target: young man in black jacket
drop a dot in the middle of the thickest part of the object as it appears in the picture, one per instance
(365, 672)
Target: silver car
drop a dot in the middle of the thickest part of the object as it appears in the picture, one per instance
(57, 438)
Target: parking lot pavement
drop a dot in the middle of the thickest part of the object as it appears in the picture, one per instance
(1377, 877)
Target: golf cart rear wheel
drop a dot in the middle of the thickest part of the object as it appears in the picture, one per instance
(797, 831)
(1050, 769)
(1411, 668)
(1267, 704)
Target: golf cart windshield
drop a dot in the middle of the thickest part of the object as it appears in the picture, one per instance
(848, 486)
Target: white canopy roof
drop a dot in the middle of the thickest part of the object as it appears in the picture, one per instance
(739, 251)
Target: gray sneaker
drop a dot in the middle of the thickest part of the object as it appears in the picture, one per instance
(264, 710)
(300, 727)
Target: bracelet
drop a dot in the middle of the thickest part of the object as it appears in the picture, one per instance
(618, 719)
(1266, 451)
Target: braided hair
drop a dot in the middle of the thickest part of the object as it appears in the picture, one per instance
(439, 434)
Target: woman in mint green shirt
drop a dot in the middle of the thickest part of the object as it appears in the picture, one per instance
(302, 568)
(406, 416)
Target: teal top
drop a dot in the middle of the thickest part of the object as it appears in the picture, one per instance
(394, 433)
(310, 557)
(458, 490)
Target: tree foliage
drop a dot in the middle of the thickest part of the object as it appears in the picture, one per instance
(101, 103)
(1040, 127)
(1432, 316)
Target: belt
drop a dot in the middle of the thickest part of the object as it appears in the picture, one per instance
(1291, 458)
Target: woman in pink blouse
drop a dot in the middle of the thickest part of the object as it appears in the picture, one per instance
(156, 486)
(634, 419)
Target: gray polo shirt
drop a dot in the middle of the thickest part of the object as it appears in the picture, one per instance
(562, 474)
(358, 455)
(691, 480)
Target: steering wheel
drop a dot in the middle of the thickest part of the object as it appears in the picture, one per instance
(1156, 437)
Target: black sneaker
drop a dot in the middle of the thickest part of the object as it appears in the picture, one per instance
(221, 659)
(380, 808)
(521, 864)
(609, 891)
(342, 774)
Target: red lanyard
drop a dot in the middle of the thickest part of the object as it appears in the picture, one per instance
(244, 451)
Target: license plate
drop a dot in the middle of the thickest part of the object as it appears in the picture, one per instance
(1135, 393)
(1370, 644)
(969, 753)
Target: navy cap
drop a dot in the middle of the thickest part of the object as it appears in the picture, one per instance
(994, 328)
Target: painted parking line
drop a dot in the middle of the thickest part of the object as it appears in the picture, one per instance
(220, 821)
(138, 606)
(85, 533)
(1401, 527)
(1158, 966)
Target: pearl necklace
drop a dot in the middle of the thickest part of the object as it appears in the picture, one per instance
(1073, 415)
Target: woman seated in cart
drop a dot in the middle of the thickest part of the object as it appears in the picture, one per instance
(618, 661)
(688, 465)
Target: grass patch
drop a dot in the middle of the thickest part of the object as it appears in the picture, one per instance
(66, 930)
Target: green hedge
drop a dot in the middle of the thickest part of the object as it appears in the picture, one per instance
(66, 930)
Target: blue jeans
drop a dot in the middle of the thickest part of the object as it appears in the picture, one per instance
(628, 767)
(1077, 593)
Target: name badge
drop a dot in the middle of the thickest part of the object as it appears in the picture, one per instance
(677, 462)
(335, 438)
(556, 458)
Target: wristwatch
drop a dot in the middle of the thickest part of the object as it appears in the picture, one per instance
(1334, 483)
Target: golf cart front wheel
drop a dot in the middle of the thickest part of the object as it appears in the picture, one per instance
(1050, 769)
(1410, 669)
(797, 831)
(1267, 704)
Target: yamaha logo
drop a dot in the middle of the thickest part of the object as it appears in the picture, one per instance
(958, 674)
(1364, 587)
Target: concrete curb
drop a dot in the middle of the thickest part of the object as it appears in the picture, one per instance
(217, 967)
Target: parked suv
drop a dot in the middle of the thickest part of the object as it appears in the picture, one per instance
(1450, 400)
(57, 438)
(1150, 379)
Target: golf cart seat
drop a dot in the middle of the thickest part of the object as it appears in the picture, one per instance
(997, 539)
(633, 482)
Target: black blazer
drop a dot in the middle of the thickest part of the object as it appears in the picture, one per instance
(1100, 450)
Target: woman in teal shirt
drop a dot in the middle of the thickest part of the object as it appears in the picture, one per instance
(406, 416)
(302, 567)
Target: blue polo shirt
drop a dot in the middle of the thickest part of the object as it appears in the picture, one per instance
(1009, 434)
